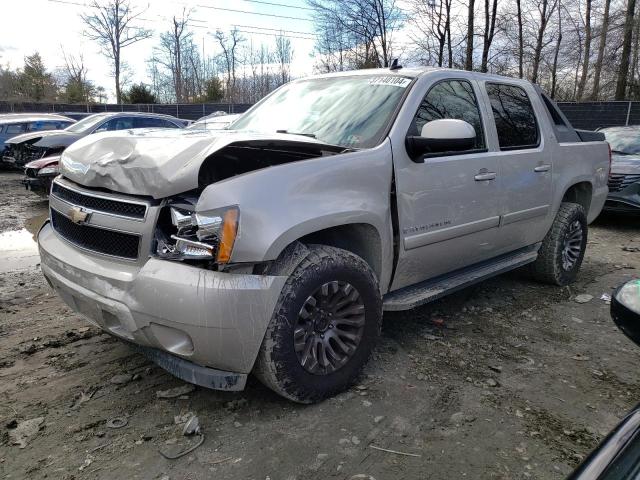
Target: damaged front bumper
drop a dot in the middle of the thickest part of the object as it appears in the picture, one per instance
(203, 326)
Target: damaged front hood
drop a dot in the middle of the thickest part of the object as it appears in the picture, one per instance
(625, 164)
(47, 138)
(161, 163)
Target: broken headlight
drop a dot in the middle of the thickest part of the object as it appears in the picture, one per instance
(206, 235)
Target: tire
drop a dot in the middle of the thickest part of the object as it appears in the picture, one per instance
(552, 266)
(283, 364)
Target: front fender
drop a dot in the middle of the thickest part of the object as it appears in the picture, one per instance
(281, 204)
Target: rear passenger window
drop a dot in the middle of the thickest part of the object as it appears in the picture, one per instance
(16, 128)
(450, 99)
(515, 121)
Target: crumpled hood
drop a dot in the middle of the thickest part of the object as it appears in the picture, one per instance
(625, 164)
(47, 138)
(155, 162)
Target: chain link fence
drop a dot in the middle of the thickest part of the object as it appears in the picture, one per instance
(583, 115)
(190, 111)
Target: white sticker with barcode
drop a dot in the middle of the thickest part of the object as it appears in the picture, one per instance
(401, 82)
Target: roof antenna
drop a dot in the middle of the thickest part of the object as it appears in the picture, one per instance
(394, 65)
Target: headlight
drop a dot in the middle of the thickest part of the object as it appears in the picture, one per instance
(206, 235)
(53, 170)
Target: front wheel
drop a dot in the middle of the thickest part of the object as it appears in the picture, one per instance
(324, 326)
(563, 248)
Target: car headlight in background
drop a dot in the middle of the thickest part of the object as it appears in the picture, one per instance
(206, 235)
(52, 170)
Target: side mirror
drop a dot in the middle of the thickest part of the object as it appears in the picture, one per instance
(445, 135)
(625, 309)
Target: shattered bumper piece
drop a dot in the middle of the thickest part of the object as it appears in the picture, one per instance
(210, 325)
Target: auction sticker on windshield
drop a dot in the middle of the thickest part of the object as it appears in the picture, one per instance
(401, 82)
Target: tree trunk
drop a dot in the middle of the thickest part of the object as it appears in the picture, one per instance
(448, 28)
(595, 92)
(554, 70)
(633, 86)
(116, 71)
(538, 50)
(489, 29)
(623, 71)
(587, 50)
(520, 40)
(468, 63)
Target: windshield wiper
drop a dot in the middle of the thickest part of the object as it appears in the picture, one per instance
(310, 135)
(620, 152)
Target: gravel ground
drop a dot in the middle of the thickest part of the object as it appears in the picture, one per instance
(509, 379)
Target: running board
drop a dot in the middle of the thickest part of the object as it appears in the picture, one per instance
(415, 295)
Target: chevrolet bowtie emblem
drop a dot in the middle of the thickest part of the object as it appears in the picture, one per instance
(79, 216)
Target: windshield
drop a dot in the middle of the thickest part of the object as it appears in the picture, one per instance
(85, 124)
(623, 140)
(347, 111)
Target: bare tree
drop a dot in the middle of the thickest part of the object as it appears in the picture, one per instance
(78, 89)
(112, 25)
(603, 43)
(556, 54)
(468, 62)
(431, 20)
(623, 70)
(587, 50)
(520, 39)
(546, 11)
(284, 55)
(229, 44)
(489, 31)
(366, 28)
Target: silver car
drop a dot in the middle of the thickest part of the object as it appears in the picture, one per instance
(274, 246)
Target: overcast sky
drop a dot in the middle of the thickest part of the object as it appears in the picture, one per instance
(48, 27)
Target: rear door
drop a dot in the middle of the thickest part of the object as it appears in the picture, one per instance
(526, 164)
(448, 206)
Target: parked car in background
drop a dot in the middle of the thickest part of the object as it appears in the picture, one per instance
(624, 179)
(25, 148)
(273, 247)
(77, 116)
(217, 122)
(39, 174)
(15, 124)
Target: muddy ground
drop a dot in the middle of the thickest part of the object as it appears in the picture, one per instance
(509, 379)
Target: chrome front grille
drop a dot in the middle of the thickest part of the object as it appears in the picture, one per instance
(105, 223)
(619, 181)
(100, 203)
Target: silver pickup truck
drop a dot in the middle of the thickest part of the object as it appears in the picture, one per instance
(274, 246)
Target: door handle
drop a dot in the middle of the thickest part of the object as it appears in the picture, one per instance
(542, 168)
(480, 177)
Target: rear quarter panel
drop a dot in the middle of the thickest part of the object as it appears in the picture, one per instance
(581, 162)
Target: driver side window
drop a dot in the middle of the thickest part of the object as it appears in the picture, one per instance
(450, 99)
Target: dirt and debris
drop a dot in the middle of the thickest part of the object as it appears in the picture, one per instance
(564, 376)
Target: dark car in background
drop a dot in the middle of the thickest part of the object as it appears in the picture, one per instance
(25, 148)
(40, 172)
(624, 178)
(13, 124)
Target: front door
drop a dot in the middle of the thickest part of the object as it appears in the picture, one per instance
(448, 206)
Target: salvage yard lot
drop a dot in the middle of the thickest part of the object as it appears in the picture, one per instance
(508, 379)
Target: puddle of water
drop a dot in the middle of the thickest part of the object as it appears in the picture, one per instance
(18, 248)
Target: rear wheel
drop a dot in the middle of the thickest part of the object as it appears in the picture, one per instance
(562, 250)
(323, 328)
